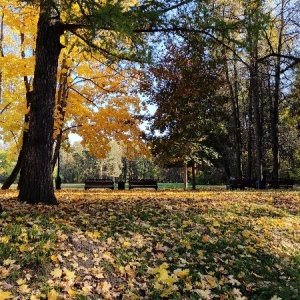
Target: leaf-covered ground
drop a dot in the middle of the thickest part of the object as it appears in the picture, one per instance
(152, 245)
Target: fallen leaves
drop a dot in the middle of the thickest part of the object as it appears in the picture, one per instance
(5, 295)
(145, 245)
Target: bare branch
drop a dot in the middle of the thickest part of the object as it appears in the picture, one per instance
(5, 108)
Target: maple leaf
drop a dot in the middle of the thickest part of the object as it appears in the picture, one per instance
(107, 256)
(103, 288)
(4, 272)
(54, 258)
(72, 293)
(8, 262)
(25, 248)
(169, 291)
(69, 275)
(97, 272)
(52, 295)
(5, 239)
(216, 224)
(181, 273)
(126, 244)
(5, 295)
(233, 281)
(205, 294)
(21, 281)
(86, 290)
(205, 238)
(163, 266)
(246, 233)
(24, 289)
(237, 293)
(93, 235)
(66, 253)
(162, 274)
(56, 273)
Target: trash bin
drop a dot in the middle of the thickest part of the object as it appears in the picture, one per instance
(58, 183)
(121, 185)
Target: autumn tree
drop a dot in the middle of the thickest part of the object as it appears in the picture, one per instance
(112, 28)
(186, 122)
(16, 66)
(88, 90)
(281, 39)
(96, 101)
(257, 48)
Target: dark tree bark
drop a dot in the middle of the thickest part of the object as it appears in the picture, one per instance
(250, 139)
(36, 183)
(275, 122)
(193, 175)
(257, 119)
(233, 89)
(275, 107)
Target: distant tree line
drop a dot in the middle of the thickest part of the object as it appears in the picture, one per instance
(77, 164)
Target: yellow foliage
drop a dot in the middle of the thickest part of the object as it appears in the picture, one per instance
(52, 295)
(99, 103)
(5, 295)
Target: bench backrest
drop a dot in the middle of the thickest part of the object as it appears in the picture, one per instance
(98, 180)
(143, 180)
(281, 181)
(243, 182)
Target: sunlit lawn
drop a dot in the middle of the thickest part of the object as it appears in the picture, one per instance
(143, 244)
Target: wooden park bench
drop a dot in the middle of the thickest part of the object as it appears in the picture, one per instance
(241, 184)
(280, 183)
(98, 183)
(143, 183)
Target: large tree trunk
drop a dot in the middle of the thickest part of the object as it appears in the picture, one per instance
(234, 97)
(36, 183)
(254, 90)
(275, 122)
(275, 110)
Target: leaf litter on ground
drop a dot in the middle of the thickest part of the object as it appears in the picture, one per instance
(101, 244)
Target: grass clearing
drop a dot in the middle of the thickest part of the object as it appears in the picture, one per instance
(146, 244)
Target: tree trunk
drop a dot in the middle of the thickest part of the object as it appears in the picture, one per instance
(275, 110)
(194, 175)
(254, 90)
(233, 89)
(36, 183)
(185, 176)
(250, 138)
(274, 124)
